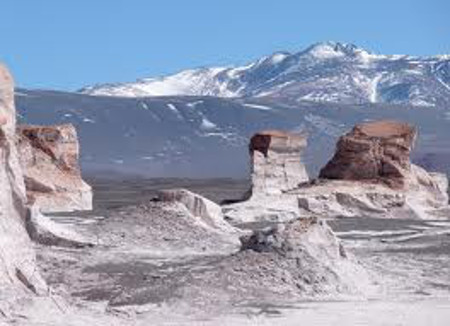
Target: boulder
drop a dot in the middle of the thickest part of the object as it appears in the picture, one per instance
(18, 270)
(375, 152)
(49, 158)
(276, 164)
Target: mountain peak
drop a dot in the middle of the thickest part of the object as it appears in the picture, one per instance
(331, 49)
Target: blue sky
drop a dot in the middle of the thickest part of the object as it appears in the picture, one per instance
(66, 44)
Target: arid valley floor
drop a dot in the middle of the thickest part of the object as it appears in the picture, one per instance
(143, 288)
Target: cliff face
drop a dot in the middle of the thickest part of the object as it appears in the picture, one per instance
(276, 162)
(18, 269)
(49, 158)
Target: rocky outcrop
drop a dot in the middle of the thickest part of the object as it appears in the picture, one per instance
(18, 270)
(342, 198)
(42, 229)
(206, 212)
(276, 168)
(49, 158)
(307, 254)
(375, 152)
(298, 260)
(176, 223)
(276, 161)
(370, 175)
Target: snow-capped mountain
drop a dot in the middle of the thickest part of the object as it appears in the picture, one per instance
(324, 72)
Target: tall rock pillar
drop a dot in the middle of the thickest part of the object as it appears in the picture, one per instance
(276, 161)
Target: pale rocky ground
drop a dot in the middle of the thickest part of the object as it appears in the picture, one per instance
(408, 260)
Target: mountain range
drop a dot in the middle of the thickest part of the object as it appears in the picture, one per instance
(197, 123)
(324, 72)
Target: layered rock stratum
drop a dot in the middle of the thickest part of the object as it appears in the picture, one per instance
(276, 161)
(19, 274)
(49, 158)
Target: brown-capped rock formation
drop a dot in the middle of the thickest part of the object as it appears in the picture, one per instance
(374, 151)
(276, 161)
(371, 175)
(276, 168)
(49, 157)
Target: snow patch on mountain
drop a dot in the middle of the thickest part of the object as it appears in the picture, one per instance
(373, 88)
(257, 106)
(174, 109)
(194, 104)
(325, 51)
(207, 124)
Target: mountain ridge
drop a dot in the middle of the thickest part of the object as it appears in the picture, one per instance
(208, 136)
(323, 72)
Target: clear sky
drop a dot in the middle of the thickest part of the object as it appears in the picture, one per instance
(66, 44)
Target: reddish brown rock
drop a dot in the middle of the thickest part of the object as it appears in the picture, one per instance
(49, 157)
(276, 161)
(376, 151)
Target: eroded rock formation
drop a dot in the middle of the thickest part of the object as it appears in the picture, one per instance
(18, 270)
(202, 209)
(276, 161)
(375, 151)
(371, 175)
(276, 168)
(310, 255)
(300, 259)
(42, 229)
(49, 157)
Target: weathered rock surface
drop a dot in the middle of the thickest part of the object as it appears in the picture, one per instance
(370, 175)
(276, 161)
(376, 151)
(43, 230)
(170, 228)
(205, 211)
(262, 208)
(342, 198)
(18, 270)
(49, 157)
(276, 168)
(282, 263)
